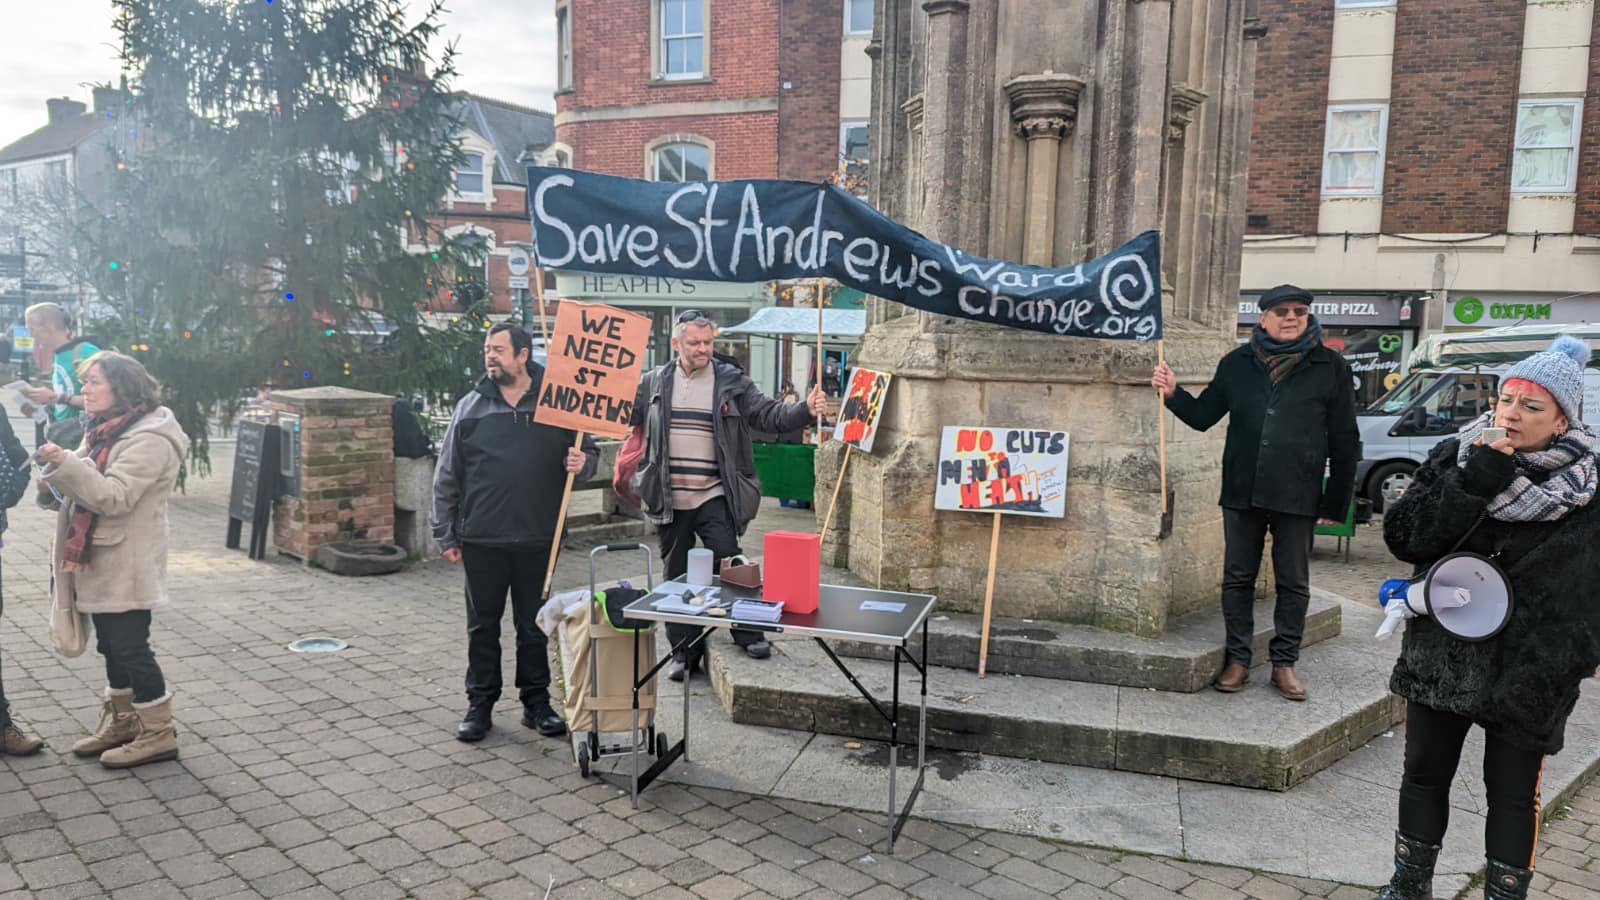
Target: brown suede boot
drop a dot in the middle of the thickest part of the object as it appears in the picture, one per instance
(157, 740)
(118, 725)
(13, 742)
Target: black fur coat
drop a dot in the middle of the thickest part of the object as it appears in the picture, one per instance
(1522, 683)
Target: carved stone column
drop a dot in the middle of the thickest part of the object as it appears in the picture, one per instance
(1043, 111)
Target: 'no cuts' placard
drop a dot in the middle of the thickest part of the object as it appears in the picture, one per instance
(1004, 470)
(595, 359)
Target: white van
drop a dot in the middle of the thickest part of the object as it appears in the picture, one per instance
(1399, 428)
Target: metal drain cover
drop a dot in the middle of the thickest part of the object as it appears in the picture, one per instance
(318, 645)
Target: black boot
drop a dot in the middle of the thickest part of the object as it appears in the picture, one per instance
(1413, 870)
(1503, 882)
(540, 717)
(476, 724)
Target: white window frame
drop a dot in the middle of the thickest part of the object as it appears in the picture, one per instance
(10, 186)
(851, 31)
(482, 173)
(1571, 186)
(564, 47)
(662, 39)
(1362, 4)
(655, 159)
(1382, 149)
(844, 130)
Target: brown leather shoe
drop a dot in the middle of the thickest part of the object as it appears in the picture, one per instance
(1288, 683)
(1232, 678)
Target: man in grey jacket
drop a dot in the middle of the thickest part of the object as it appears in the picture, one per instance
(496, 494)
(698, 474)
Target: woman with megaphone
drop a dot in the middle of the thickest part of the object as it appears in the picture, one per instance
(1524, 500)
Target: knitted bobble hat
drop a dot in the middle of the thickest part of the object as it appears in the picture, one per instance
(1559, 370)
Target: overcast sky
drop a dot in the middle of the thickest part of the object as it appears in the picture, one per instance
(59, 47)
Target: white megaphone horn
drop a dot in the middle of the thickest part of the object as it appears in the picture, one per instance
(1466, 594)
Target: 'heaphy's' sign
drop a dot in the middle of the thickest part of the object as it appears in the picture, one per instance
(753, 231)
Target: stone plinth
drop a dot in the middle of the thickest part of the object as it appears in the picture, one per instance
(1000, 129)
(345, 470)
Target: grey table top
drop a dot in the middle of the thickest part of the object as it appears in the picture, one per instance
(861, 614)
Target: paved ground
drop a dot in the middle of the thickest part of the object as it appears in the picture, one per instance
(337, 776)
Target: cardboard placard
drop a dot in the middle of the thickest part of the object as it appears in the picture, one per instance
(1021, 471)
(596, 358)
(863, 407)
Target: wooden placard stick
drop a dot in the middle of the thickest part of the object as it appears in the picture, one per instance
(821, 358)
(544, 330)
(1161, 425)
(988, 598)
(844, 464)
(561, 521)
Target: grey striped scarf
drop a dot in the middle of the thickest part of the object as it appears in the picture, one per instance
(1571, 485)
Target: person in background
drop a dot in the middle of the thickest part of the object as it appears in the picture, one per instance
(51, 328)
(110, 549)
(698, 476)
(1527, 501)
(1291, 410)
(13, 484)
(496, 494)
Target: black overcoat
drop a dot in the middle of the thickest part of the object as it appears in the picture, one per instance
(1281, 436)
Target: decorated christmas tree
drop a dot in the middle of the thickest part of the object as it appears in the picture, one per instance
(275, 164)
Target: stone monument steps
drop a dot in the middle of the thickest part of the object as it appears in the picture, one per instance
(1253, 738)
(1185, 659)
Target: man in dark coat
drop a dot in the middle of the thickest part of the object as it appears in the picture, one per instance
(496, 498)
(697, 477)
(1291, 407)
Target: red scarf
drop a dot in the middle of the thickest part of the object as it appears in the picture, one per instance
(98, 439)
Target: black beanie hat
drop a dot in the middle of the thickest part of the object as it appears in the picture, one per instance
(1283, 293)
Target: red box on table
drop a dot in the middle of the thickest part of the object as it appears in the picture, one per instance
(791, 567)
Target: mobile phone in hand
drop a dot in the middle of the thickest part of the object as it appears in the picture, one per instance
(1492, 434)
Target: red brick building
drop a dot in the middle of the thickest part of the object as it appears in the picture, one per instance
(489, 200)
(1430, 152)
(1425, 166)
(693, 90)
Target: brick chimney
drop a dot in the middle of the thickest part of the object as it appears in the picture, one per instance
(107, 99)
(63, 108)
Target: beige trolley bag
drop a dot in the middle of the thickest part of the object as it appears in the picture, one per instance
(599, 702)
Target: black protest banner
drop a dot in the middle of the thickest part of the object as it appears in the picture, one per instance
(753, 231)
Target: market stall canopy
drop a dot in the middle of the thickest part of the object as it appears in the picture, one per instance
(1496, 345)
(790, 321)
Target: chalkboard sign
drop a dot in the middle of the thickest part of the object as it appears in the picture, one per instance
(255, 484)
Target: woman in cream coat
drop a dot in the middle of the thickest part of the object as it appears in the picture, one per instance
(110, 548)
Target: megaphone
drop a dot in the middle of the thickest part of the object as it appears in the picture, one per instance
(1466, 594)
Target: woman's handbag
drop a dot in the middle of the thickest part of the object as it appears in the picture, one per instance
(69, 629)
(741, 572)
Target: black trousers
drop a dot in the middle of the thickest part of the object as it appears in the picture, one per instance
(124, 640)
(1244, 534)
(491, 574)
(1510, 776)
(712, 523)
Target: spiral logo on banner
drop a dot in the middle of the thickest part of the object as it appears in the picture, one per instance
(1126, 273)
(755, 231)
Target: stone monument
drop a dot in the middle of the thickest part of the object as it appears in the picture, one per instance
(1050, 132)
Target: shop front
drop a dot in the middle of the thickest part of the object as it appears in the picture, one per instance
(1373, 331)
(1476, 311)
(663, 299)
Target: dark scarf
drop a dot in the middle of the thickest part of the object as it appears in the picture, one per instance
(97, 440)
(1281, 358)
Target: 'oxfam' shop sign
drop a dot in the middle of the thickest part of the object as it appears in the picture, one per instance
(1491, 311)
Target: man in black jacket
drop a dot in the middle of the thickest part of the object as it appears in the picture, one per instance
(496, 495)
(1291, 407)
(698, 473)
